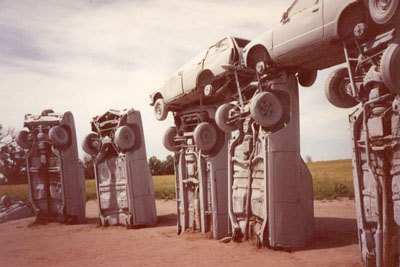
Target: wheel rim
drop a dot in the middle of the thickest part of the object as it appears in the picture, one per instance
(383, 5)
(158, 109)
(389, 66)
(382, 11)
(222, 117)
(168, 140)
(266, 109)
(91, 144)
(205, 136)
(125, 138)
(59, 135)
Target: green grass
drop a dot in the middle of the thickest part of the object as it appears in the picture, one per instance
(331, 179)
(164, 186)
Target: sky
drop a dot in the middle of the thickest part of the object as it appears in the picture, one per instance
(89, 56)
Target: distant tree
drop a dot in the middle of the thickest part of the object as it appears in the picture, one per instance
(155, 166)
(168, 165)
(12, 157)
(308, 159)
(88, 166)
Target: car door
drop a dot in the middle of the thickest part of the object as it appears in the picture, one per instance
(219, 54)
(173, 86)
(300, 27)
(190, 71)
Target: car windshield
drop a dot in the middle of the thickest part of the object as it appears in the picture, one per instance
(241, 42)
(218, 47)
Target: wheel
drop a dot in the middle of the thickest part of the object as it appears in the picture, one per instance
(307, 78)
(124, 138)
(205, 136)
(168, 139)
(383, 11)
(266, 109)
(59, 136)
(91, 144)
(208, 90)
(160, 110)
(47, 112)
(336, 88)
(221, 118)
(389, 68)
(22, 139)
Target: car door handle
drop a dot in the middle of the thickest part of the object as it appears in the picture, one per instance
(315, 9)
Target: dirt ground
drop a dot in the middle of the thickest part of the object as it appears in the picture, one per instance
(24, 244)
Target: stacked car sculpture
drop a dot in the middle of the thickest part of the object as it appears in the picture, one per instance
(238, 169)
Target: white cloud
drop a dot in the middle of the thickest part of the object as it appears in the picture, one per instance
(89, 56)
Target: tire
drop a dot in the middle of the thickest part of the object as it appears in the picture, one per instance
(208, 90)
(389, 68)
(383, 11)
(205, 136)
(22, 139)
(89, 144)
(124, 138)
(266, 109)
(221, 118)
(59, 136)
(335, 89)
(307, 78)
(160, 109)
(168, 139)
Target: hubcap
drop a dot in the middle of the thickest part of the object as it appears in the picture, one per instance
(383, 5)
(266, 108)
(206, 136)
(158, 110)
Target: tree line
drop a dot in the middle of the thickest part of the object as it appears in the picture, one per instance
(13, 161)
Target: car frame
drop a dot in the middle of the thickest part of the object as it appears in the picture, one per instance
(312, 33)
(209, 73)
(200, 150)
(55, 175)
(124, 186)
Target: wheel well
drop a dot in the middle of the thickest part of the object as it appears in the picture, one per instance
(204, 78)
(157, 96)
(256, 54)
(349, 18)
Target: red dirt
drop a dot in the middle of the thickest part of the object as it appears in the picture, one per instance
(24, 244)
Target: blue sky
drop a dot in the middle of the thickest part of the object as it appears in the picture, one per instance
(89, 56)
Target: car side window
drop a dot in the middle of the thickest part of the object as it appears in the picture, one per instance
(218, 47)
(301, 5)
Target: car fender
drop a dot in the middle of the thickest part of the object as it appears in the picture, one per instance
(154, 96)
(264, 40)
(331, 24)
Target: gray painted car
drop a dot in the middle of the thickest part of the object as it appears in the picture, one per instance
(124, 186)
(55, 175)
(204, 75)
(311, 33)
(268, 201)
(200, 171)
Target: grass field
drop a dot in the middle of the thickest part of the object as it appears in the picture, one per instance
(331, 179)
